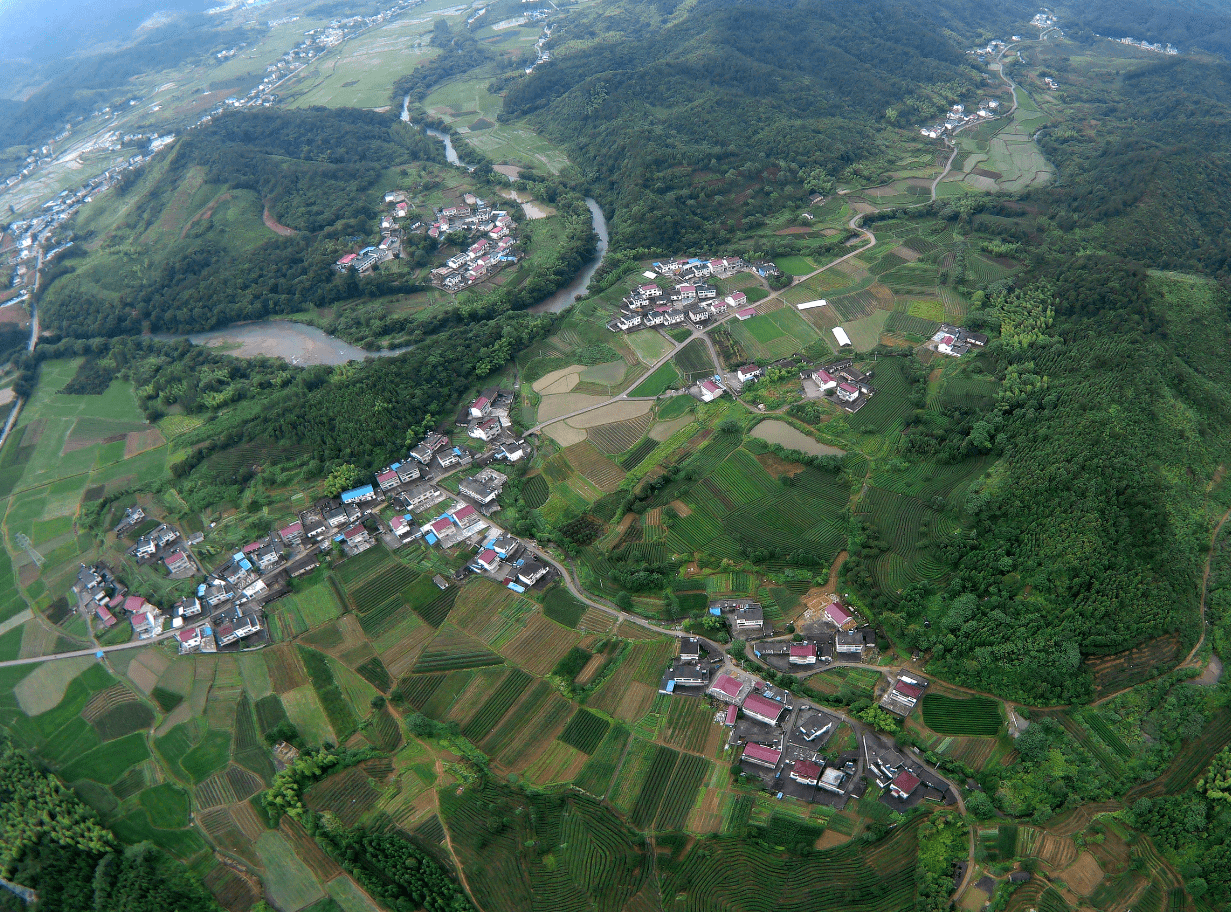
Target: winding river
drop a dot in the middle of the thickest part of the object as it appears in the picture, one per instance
(304, 345)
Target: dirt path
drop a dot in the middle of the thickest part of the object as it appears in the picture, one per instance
(274, 225)
(457, 862)
(1205, 588)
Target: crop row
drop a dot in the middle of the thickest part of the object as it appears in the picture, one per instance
(595, 776)
(454, 661)
(585, 731)
(499, 702)
(662, 762)
(535, 491)
(975, 717)
(689, 773)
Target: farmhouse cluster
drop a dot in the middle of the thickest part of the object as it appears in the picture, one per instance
(227, 609)
(840, 382)
(958, 117)
(492, 237)
(676, 294)
(392, 231)
(782, 740)
(955, 341)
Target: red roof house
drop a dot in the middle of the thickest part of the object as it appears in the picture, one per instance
(763, 709)
(762, 755)
(806, 771)
(841, 618)
(905, 783)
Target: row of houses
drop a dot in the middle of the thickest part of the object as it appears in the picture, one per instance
(649, 307)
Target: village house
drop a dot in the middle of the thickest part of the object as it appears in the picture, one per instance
(689, 674)
(313, 524)
(762, 755)
(466, 516)
(690, 649)
(132, 517)
(763, 709)
(188, 639)
(400, 526)
(736, 299)
(706, 292)
(507, 547)
(698, 313)
(234, 625)
(839, 616)
(802, 654)
(147, 623)
(268, 557)
(728, 689)
(904, 784)
(833, 780)
(487, 561)
(407, 472)
(673, 317)
(710, 390)
(357, 536)
(848, 392)
(748, 373)
(421, 496)
(482, 404)
(214, 594)
(849, 643)
(825, 380)
(187, 607)
(627, 321)
(749, 619)
(805, 772)
(531, 572)
(291, 535)
(359, 495)
(336, 518)
(388, 479)
(477, 491)
(178, 562)
(485, 430)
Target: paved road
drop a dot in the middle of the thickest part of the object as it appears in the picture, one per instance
(136, 644)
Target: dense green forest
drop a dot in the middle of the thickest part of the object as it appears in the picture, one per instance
(688, 122)
(205, 277)
(55, 845)
(1146, 175)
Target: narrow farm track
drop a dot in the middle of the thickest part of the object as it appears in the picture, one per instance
(1205, 587)
(953, 156)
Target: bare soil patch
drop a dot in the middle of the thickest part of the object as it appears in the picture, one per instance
(777, 466)
(560, 405)
(831, 839)
(274, 225)
(543, 385)
(139, 441)
(609, 414)
(1212, 674)
(1083, 875)
(798, 229)
(564, 433)
(664, 429)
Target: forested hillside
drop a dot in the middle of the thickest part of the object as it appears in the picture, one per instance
(315, 170)
(1191, 25)
(693, 120)
(1146, 176)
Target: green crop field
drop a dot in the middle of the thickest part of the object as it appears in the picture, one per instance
(976, 716)
(795, 265)
(663, 379)
(694, 359)
(585, 731)
(562, 606)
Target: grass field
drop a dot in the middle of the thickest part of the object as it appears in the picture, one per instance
(778, 334)
(663, 379)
